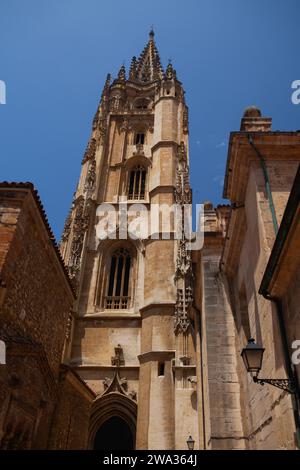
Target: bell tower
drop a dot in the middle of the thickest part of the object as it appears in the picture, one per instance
(135, 294)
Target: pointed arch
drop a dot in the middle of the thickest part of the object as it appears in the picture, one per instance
(113, 404)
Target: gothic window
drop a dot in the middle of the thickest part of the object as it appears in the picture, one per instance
(137, 183)
(118, 281)
(139, 138)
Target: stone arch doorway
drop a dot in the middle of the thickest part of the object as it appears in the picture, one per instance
(114, 434)
(113, 422)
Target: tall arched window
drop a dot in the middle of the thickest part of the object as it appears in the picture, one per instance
(137, 183)
(118, 283)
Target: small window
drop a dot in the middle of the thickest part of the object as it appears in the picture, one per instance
(137, 183)
(161, 369)
(139, 139)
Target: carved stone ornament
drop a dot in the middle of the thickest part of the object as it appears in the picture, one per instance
(91, 175)
(67, 227)
(183, 302)
(83, 209)
(118, 359)
(183, 261)
(182, 192)
(185, 120)
(183, 274)
(170, 72)
(90, 151)
(125, 126)
(118, 384)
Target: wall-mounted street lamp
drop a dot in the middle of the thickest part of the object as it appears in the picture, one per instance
(190, 443)
(252, 356)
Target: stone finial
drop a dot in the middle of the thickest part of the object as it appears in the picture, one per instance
(252, 111)
(170, 72)
(253, 121)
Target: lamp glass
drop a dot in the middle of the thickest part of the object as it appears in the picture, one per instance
(252, 356)
(190, 443)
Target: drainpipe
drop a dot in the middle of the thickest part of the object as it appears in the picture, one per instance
(267, 182)
(288, 366)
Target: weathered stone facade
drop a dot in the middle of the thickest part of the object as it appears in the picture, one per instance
(35, 306)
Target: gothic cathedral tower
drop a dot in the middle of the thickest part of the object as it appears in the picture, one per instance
(134, 339)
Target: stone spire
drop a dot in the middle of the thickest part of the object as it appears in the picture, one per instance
(149, 67)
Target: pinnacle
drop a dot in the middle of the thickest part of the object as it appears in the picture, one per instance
(122, 73)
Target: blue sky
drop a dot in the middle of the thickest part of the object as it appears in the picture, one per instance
(55, 55)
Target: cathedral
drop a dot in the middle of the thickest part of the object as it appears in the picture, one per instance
(143, 339)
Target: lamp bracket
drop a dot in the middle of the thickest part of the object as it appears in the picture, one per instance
(285, 384)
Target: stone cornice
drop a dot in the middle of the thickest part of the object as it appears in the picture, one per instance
(158, 305)
(111, 315)
(274, 146)
(156, 356)
(164, 143)
(103, 367)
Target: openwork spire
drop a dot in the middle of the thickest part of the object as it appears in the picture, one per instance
(149, 67)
